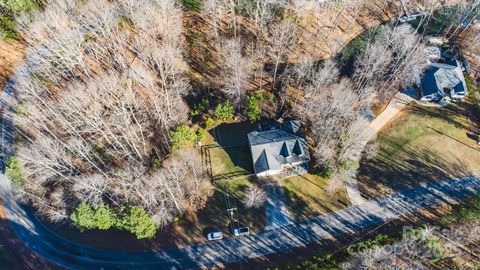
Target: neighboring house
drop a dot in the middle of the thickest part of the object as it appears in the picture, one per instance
(444, 80)
(275, 147)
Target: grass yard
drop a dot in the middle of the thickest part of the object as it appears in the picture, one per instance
(307, 196)
(422, 144)
(230, 162)
(228, 149)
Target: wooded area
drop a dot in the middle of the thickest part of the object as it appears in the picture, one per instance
(106, 83)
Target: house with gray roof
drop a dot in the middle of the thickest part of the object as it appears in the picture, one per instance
(276, 147)
(444, 80)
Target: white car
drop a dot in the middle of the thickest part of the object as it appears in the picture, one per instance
(214, 236)
(241, 231)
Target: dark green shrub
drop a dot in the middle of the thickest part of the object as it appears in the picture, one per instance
(224, 111)
(200, 108)
(255, 102)
(193, 5)
(83, 217)
(183, 136)
(17, 7)
(467, 210)
(100, 217)
(104, 217)
(7, 28)
(327, 169)
(137, 221)
(132, 219)
(253, 109)
(210, 122)
(14, 172)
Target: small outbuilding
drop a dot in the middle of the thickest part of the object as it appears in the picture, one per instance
(275, 147)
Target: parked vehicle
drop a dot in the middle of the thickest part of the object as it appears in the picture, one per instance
(241, 231)
(214, 236)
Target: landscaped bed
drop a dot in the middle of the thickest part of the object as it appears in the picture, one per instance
(421, 145)
(307, 196)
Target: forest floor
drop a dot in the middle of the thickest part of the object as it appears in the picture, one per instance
(420, 145)
(12, 54)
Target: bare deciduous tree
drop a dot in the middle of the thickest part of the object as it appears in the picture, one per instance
(103, 86)
(254, 197)
(336, 183)
(237, 71)
(389, 61)
(355, 139)
(330, 112)
(281, 37)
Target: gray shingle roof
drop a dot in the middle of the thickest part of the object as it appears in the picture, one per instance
(443, 76)
(277, 146)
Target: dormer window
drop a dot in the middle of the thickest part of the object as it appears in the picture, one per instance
(285, 152)
(297, 148)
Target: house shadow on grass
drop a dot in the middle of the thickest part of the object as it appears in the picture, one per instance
(232, 138)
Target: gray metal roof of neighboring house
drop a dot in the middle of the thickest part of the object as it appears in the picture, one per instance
(275, 147)
(443, 76)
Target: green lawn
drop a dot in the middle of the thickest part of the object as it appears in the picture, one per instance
(230, 162)
(228, 149)
(307, 197)
(422, 144)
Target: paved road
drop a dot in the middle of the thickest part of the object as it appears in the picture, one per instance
(70, 255)
(8, 102)
(329, 226)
